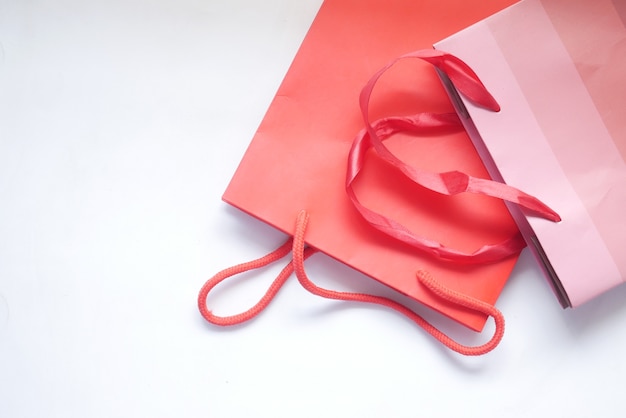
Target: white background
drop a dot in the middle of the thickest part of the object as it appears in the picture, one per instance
(121, 123)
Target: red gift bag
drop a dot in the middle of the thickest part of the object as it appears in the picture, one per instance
(296, 171)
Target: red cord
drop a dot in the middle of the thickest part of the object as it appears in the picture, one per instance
(426, 279)
(275, 255)
(300, 253)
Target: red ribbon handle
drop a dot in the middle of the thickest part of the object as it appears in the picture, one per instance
(447, 183)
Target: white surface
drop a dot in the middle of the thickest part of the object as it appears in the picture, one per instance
(121, 123)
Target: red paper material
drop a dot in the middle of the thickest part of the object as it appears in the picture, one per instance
(298, 157)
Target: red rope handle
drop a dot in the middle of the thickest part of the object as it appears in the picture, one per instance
(300, 254)
(280, 280)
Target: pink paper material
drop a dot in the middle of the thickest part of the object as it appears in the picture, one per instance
(556, 67)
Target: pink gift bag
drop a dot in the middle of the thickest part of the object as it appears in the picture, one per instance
(557, 69)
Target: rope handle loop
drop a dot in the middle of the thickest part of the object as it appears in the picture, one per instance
(300, 252)
(265, 300)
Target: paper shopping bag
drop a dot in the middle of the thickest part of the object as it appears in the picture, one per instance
(297, 159)
(557, 69)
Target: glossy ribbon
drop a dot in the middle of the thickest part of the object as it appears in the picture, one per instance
(447, 183)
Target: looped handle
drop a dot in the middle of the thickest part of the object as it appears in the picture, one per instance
(447, 183)
(266, 260)
(461, 75)
(300, 253)
(424, 278)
